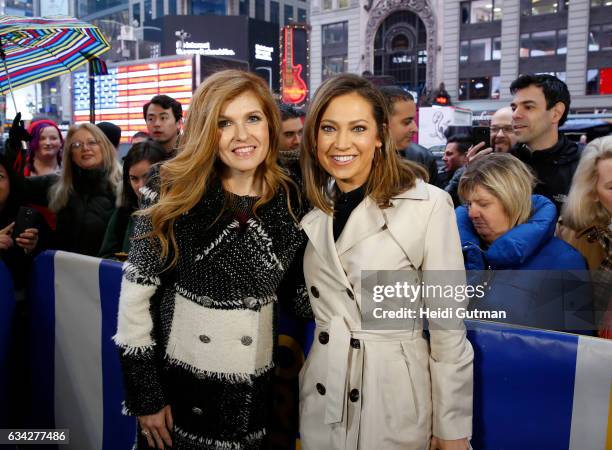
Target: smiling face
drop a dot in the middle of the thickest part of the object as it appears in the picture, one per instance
(49, 143)
(347, 138)
(244, 138)
(402, 126)
(603, 188)
(487, 214)
(86, 151)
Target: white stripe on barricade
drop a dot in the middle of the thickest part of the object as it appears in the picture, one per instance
(78, 361)
(592, 406)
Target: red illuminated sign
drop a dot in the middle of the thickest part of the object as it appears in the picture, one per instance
(293, 87)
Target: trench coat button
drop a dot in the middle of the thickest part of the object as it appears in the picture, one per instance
(354, 395)
(314, 291)
(250, 302)
(207, 301)
(320, 389)
(246, 340)
(355, 343)
(350, 294)
(205, 339)
(196, 410)
(323, 337)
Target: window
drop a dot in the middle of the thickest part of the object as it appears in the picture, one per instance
(543, 43)
(327, 5)
(136, 14)
(159, 8)
(302, 15)
(204, 7)
(333, 65)
(539, 7)
(595, 3)
(479, 88)
(274, 12)
(343, 3)
(478, 11)
(172, 8)
(289, 18)
(260, 9)
(334, 33)
(244, 7)
(148, 10)
(496, 49)
(600, 38)
(478, 50)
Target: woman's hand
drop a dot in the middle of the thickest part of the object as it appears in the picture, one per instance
(157, 428)
(6, 241)
(28, 239)
(456, 444)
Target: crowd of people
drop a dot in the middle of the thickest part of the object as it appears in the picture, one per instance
(246, 202)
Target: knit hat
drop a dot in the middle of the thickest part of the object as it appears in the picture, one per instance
(112, 132)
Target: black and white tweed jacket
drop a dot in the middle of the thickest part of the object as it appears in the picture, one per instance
(201, 336)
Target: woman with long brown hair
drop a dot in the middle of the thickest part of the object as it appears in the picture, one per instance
(365, 386)
(218, 235)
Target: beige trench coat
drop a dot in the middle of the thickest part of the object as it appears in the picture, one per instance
(382, 390)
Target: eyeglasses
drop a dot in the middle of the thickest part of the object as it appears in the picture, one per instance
(87, 144)
(506, 130)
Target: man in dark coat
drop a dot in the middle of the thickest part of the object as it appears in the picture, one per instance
(540, 106)
(402, 128)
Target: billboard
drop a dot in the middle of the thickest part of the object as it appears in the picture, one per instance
(294, 67)
(121, 94)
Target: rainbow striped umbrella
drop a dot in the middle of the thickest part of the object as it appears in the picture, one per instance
(37, 48)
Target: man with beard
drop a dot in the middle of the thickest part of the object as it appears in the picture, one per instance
(502, 133)
(164, 118)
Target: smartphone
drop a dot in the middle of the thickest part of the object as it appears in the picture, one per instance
(481, 134)
(26, 218)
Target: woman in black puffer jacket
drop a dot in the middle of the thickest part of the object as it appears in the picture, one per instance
(84, 195)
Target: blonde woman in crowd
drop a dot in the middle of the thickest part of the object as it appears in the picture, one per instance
(586, 222)
(210, 251)
(365, 389)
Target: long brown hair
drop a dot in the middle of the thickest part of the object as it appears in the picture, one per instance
(186, 178)
(390, 174)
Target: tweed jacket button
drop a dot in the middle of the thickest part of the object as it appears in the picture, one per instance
(354, 395)
(323, 337)
(350, 294)
(355, 343)
(205, 339)
(320, 389)
(314, 291)
(250, 302)
(201, 376)
(246, 340)
(207, 301)
(196, 410)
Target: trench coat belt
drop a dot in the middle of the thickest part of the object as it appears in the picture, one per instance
(338, 360)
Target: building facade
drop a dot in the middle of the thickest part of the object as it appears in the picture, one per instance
(476, 48)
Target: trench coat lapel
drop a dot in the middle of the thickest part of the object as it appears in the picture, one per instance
(318, 226)
(365, 220)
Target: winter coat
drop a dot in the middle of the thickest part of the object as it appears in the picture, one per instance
(118, 233)
(533, 297)
(81, 223)
(383, 390)
(554, 168)
(199, 337)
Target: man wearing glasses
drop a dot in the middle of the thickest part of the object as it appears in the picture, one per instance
(502, 133)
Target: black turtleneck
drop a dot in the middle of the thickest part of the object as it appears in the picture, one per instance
(344, 205)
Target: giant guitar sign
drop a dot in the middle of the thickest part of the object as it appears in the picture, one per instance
(294, 86)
